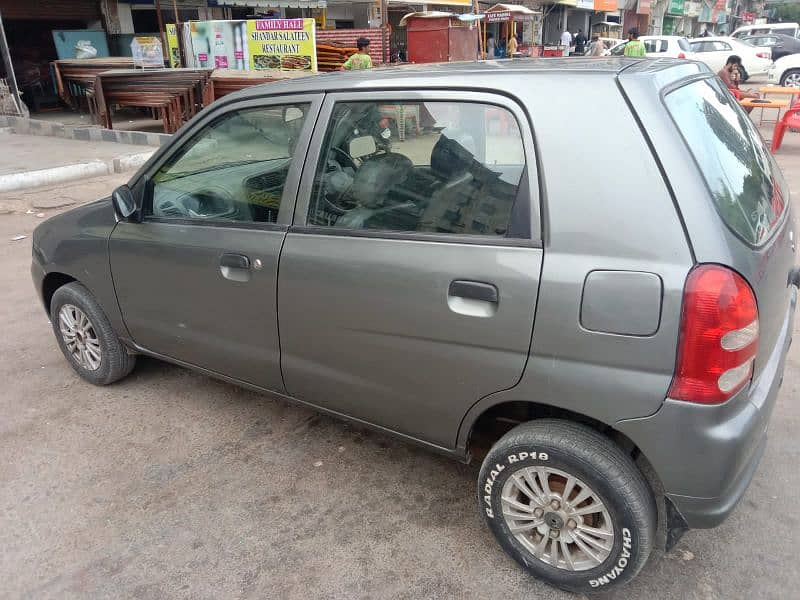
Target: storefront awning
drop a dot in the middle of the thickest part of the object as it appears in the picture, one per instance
(466, 3)
(274, 3)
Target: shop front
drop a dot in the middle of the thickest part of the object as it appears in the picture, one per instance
(673, 21)
(40, 32)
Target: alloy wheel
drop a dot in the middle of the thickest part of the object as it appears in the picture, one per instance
(80, 337)
(558, 518)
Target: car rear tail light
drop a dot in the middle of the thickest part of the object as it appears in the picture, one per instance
(681, 55)
(718, 338)
(764, 54)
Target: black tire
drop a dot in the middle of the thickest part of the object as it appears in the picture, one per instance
(599, 464)
(794, 73)
(115, 361)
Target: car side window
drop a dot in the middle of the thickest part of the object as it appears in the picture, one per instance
(234, 169)
(722, 47)
(426, 167)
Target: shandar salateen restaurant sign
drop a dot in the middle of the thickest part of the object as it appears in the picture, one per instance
(287, 44)
(253, 45)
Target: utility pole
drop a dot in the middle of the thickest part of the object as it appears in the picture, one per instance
(161, 30)
(12, 80)
(385, 43)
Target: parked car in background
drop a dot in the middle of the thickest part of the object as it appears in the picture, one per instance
(612, 357)
(790, 29)
(714, 51)
(785, 71)
(780, 45)
(661, 46)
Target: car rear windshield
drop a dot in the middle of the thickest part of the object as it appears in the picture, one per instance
(744, 181)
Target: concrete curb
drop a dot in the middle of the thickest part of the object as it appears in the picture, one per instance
(87, 134)
(42, 177)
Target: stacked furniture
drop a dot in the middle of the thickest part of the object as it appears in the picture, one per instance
(331, 56)
(227, 81)
(74, 78)
(174, 95)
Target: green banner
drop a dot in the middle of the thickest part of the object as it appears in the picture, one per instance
(675, 7)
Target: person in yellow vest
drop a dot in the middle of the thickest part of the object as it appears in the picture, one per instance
(635, 46)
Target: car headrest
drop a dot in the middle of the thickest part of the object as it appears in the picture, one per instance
(450, 158)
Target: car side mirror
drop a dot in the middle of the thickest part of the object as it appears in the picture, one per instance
(124, 202)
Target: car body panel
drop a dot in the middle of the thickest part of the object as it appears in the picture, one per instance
(75, 243)
(715, 51)
(783, 67)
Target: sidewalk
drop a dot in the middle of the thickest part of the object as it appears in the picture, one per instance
(29, 161)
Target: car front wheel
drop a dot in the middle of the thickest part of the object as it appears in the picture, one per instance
(568, 505)
(86, 337)
(791, 78)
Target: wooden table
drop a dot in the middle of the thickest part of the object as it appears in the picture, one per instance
(779, 104)
(782, 91)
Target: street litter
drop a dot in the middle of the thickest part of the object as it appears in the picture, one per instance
(40, 215)
(17, 238)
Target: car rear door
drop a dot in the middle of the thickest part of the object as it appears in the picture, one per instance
(409, 279)
(196, 279)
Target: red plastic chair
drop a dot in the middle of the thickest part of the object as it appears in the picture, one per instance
(790, 120)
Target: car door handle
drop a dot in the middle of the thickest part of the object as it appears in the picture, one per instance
(473, 290)
(234, 261)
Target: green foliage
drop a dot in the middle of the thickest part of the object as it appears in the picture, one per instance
(788, 11)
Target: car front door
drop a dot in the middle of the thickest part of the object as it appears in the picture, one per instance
(408, 282)
(196, 278)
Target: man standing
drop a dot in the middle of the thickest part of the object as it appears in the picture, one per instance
(635, 46)
(596, 48)
(512, 46)
(361, 59)
(580, 43)
(566, 40)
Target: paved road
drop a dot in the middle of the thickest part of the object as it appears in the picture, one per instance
(171, 484)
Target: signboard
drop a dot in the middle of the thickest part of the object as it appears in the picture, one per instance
(499, 16)
(643, 7)
(721, 4)
(605, 5)
(174, 54)
(691, 9)
(705, 14)
(585, 4)
(287, 44)
(675, 7)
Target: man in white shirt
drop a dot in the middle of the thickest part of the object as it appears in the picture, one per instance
(566, 40)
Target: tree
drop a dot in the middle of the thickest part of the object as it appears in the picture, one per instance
(788, 12)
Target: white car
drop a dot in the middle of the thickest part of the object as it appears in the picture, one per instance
(785, 71)
(661, 46)
(714, 51)
(791, 29)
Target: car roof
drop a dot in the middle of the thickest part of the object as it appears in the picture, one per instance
(662, 37)
(716, 38)
(455, 74)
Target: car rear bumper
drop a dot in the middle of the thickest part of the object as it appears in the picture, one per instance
(706, 456)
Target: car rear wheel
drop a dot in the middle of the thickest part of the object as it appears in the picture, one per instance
(791, 78)
(86, 337)
(568, 505)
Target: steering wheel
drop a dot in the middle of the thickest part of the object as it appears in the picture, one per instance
(350, 160)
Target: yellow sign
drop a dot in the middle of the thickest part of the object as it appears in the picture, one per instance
(287, 44)
(174, 46)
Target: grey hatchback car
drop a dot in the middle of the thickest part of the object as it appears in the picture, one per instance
(598, 302)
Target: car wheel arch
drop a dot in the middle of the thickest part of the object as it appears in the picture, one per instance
(51, 282)
(494, 421)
